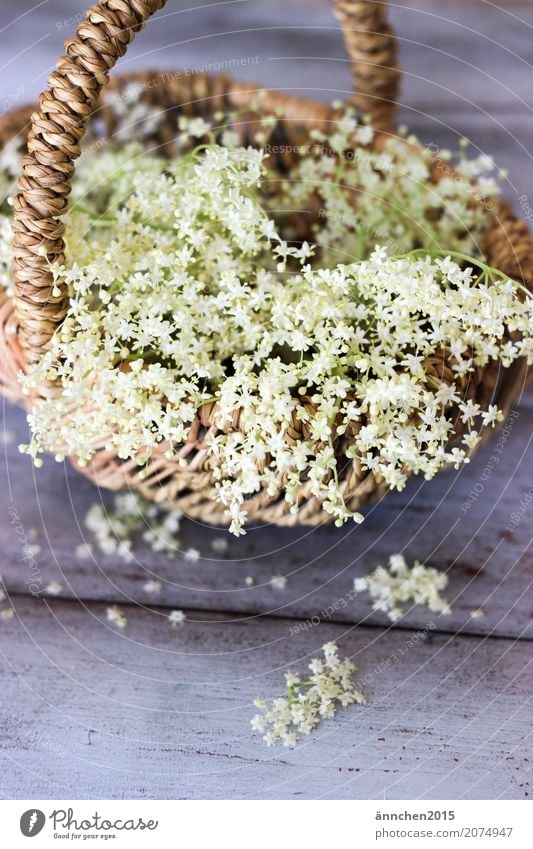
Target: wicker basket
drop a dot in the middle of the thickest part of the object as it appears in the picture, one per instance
(28, 321)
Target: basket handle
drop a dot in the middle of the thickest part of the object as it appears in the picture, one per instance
(371, 46)
(57, 129)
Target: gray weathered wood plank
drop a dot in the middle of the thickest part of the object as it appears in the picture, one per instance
(461, 522)
(149, 712)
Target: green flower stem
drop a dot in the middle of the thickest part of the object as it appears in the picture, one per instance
(291, 689)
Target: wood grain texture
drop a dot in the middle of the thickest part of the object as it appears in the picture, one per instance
(87, 711)
(90, 712)
(460, 522)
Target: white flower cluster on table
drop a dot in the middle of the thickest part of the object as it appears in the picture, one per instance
(186, 289)
(116, 616)
(401, 584)
(309, 700)
(113, 528)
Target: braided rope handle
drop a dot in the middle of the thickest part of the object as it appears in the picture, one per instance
(58, 127)
(371, 46)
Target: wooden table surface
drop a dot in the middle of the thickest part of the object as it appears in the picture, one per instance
(89, 711)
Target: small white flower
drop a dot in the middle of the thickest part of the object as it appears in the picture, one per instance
(192, 554)
(194, 127)
(471, 439)
(491, 415)
(152, 587)
(364, 134)
(116, 616)
(54, 588)
(279, 582)
(219, 544)
(176, 617)
(469, 410)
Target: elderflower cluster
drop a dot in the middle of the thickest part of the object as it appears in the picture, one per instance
(186, 297)
(114, 528)
(368, 194)
(187, 286)
(132, 115)
(402, 584)
(309, 700)
(176, 617)
(116, 616)
(355, 189)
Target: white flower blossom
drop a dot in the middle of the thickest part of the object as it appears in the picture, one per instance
(176, 617)
(54, 588)
(116, 616)
(402, 584)
(152, 587)
(310, 699)
(116, 528)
